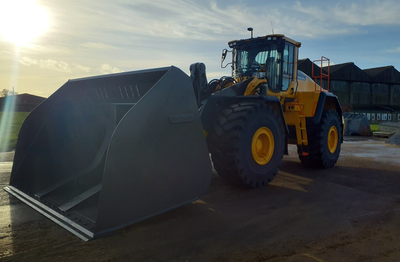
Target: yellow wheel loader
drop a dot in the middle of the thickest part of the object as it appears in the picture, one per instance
(104, 152)
(251, 117)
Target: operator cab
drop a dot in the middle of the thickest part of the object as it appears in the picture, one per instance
(274, 54)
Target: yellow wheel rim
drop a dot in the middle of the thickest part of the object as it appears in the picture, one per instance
(262, 146)
(332, 139)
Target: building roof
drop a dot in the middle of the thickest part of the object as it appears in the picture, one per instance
(338, 67)
(25, 98)
(347, 72)
(376, 70)
(306, 66)
(385, 74)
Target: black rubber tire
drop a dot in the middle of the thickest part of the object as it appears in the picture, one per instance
(230, 144)
(319, 155)
(212, 86)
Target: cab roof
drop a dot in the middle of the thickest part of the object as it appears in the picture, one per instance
(267, 37)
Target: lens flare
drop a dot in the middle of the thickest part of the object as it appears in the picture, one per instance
(7, 116)
(6, 122)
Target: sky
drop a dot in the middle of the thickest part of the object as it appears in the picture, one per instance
(44, 43)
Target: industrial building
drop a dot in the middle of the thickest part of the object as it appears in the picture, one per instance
(22, 103)
(374, 92)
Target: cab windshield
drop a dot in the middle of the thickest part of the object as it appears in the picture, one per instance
(248, 59)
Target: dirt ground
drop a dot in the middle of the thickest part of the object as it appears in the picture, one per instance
(348, 213)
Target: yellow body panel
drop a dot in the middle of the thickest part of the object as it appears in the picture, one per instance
(305, 97)
(299, 103)
(253, 85)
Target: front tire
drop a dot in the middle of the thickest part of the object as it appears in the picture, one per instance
(247, 144)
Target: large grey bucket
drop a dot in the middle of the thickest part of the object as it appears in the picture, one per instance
(104, 152)
(356, 124)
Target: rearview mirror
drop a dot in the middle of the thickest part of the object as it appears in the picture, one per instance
(224, 52)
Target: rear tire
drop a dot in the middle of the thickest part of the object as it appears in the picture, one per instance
(324, 147)
(247, 144)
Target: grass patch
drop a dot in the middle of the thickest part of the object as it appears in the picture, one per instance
(15, 124)
(374, 127)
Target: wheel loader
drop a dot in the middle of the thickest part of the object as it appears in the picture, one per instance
(104, 152)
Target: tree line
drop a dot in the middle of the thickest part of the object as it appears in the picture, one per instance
(7, 92)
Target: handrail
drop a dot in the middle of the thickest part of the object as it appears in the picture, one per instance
(322, 74)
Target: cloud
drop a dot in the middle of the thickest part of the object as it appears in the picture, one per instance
(208, 21)
(60, 66)
(54, 65)
(81, 67)
(117, 25)
(345, 18)
(121, 23)
(108, 69)
(395, 50)
(97, 45)
(203, 21)
(51, 64)
(46, 49)
(369, 13)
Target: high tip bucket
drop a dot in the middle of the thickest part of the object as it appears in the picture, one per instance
(105, 152)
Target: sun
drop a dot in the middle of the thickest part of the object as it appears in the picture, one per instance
(22, 21)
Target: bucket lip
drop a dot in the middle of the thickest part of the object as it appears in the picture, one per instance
(59, 219)
(122, 73)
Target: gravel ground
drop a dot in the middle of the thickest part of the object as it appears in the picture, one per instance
(348, 213)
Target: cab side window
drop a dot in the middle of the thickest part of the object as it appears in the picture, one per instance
(288, 66)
